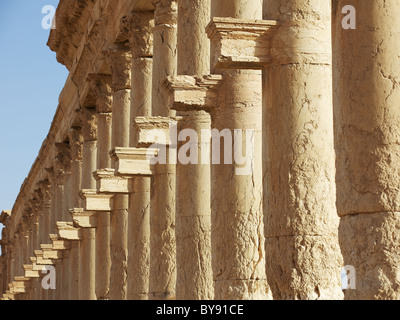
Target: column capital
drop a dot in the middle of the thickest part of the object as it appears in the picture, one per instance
(76, 143)
(62, 162)
(102, 90)
(119, 57)
(89, 124)
(36, 201)
(58, 243)
(166, 12)
(45, 187)
(83, 218)
(141, 35)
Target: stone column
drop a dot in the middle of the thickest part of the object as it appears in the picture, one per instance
(367, 139)
(162, 208)
(237, 213)
(44, 226)
(60, 179)
(89, 148)
(76, 144)
(303, 257)
(141, 41)
(88, 266)
(89, 163)
(62, 169)
(193, 183)
(165, 53)
(102, 85)
(120, 58)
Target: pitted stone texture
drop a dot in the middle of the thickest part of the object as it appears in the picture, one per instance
(299, 156)
(304, 267)
(243, 290)
(370, 243)
(367, 115)
(195, 246)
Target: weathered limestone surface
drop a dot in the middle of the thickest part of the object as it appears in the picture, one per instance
(367, 119)
(193, 183)
(237, 235)
(318, 189)
(303, 256)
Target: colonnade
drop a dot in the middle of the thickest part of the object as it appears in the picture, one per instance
(312, 106)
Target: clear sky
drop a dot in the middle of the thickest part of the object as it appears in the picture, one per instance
(31, 80)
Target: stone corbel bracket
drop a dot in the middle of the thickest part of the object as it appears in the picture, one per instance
(41, 260)
(150, 128)
(67, 231)
(241, 44)
(35, 266)
(83, 218)
(192, 92)
(94, 201)
(59, 244)
(50, 253)
(30, 272)
(20, 284)
(109, 182)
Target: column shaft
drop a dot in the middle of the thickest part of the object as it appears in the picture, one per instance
(88, 267)
(165, 53)
(162, 217)
(139, 200)
(303, 256)
(120, 57)
(74, 259)
(103, 93)
(367, 131)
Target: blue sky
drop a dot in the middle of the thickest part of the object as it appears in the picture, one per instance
(31, 80)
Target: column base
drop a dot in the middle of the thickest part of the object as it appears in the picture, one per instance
(242, 290)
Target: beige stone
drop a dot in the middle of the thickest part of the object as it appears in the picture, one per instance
(320, 191)
(366, 119)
